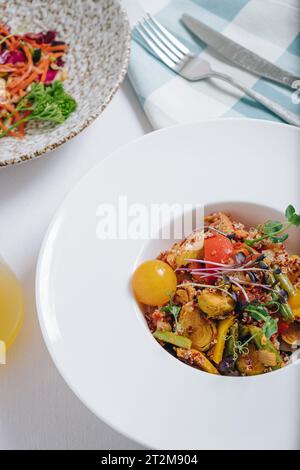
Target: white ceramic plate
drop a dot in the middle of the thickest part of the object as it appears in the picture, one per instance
(94, 331)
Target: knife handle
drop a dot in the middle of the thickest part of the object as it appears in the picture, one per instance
(285, 114)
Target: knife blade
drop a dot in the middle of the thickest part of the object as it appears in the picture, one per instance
(238, 54)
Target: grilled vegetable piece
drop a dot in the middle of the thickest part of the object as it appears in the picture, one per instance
(194, 325)
(250, 363)
(215, 304)
(285, 309)
(196, 359)
(223, 328)
(220, 221)
(292, 335)
(268, 358)
(185, 294)
(294, 303)
(286, 312)
(262, 342)
(285, 283)
(190, 248)
(173, 338)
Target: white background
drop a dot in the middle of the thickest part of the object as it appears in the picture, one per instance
(37, 409)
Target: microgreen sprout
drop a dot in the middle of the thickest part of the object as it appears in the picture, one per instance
(274, 230)
(239, 347)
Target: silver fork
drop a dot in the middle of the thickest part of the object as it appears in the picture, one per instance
(154, 37)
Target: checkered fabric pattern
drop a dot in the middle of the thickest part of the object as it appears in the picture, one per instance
(270, 28)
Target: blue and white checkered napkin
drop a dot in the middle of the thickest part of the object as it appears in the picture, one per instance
(269, 27)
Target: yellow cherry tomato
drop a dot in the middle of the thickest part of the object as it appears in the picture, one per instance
(153, 282)
(294, 302)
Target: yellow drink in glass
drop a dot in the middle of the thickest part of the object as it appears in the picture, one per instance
(11, 305)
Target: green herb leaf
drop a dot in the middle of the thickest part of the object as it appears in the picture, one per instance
(64, 101)
(280, 239)
(46, 103)
(272, 227)
(292, 216)
(295, 220)
(172, 309)
(270, 327)
(290, 211)
(257, 312)
(260, 313)
(50, 103)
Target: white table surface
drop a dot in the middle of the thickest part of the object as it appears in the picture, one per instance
(37, 409)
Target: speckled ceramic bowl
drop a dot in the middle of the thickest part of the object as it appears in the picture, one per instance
(99, 36)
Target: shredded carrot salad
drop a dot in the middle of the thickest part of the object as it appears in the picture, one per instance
(30, 64)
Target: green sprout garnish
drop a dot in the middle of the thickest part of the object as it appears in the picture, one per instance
(274, 230)
(239, 348)
(172, 309)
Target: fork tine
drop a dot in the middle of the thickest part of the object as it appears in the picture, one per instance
(170, 36)
(157, 51)
(166, 42)
(158, 42)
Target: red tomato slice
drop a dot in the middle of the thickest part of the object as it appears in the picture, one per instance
(218, 249)
(282, 327)
(194, 265)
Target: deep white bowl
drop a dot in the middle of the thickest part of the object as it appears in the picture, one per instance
(92, 326)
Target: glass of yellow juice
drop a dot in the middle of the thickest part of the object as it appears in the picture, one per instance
(11, 305)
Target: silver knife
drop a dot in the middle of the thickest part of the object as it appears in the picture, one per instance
(238, 54)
